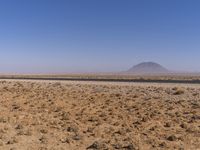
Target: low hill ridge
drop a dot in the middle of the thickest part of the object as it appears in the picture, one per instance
(148, 68)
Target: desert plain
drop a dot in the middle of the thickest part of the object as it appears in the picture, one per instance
(83, 115)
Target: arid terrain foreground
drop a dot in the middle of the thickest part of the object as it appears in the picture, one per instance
(70, 115)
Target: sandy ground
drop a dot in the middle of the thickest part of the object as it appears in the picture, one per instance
(70, 115)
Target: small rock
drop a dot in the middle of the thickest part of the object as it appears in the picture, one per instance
(129, 147)
(44, 131)
(43, 139)
(18, 127)
(116, 146)
(167, 125)
(76, 137)
(172, 138)
(72, 129)
(97, 145)
(183, 125)
(163, 144)
(11, 141)
(65, 140)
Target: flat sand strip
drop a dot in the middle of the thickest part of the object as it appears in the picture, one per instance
(178, 81)
(136, 84)
(104, 79)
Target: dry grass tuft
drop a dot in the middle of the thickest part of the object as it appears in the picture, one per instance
(178, 91)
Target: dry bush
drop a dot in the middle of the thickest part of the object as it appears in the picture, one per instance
(178, 91)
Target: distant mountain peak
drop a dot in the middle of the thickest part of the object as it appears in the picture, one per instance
(148, 68)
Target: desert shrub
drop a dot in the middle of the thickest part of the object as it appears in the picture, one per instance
(175, 88)
(178, 91)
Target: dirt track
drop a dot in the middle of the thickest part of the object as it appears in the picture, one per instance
(98, 115)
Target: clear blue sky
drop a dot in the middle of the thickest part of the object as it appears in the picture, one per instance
(49, 36)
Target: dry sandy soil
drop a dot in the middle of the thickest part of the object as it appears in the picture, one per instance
(37, 115)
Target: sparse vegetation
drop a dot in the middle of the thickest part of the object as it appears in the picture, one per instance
(178, 91)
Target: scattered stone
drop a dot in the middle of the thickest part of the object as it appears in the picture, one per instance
(44, 131)
(163, 144)
(172, 138)
(183, 125)
(65, 140)
(97, 146)
(76, 137)
(72, 129)
(19, 126)
(167, 125)
(12, 141)
(43, 139)
(129, 147)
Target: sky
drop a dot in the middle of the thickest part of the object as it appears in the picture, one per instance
(69, 36)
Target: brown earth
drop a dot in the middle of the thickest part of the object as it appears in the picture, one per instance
(37, 115)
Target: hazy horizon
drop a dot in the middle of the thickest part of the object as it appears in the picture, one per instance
(98, 36)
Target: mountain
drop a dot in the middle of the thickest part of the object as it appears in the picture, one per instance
(148, 68)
